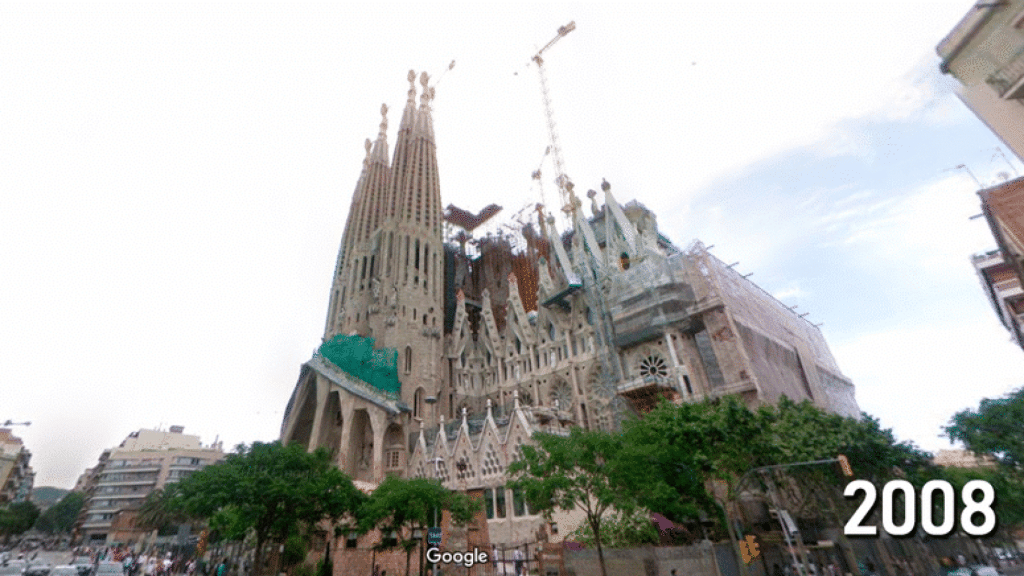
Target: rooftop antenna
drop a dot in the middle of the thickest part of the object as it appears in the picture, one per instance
(966, 169)
(999, 151)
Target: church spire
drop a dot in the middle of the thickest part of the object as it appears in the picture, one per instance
(424, 122)
(348, 237)
(348, 243)
(400, 162)
(416, 179)
(376, 190)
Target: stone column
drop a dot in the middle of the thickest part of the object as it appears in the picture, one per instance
(318, 413)
(671, 345)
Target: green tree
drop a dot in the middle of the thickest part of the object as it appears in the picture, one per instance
(268, 488)
(674, 450)
(993, 429)
(60, 518)
(582, 470)
(620, 530)
(18, 518)
(402, 505)
(157, 513)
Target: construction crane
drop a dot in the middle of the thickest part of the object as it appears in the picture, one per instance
(13, 423)
(561, 179)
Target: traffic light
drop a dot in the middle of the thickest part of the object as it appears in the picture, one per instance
(201, 545)
(844, 463)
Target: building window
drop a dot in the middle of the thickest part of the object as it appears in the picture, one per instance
(417, 404)
(554, 528)
(499, 507)
(391, 540)
(394, 458)
(653, 366)
(489, 502)
(519, 507)
(408, 359)
(352, 541)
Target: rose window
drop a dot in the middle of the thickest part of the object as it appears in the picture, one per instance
(562, 394)
(654, 366)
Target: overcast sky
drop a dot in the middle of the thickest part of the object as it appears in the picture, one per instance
(174, 182)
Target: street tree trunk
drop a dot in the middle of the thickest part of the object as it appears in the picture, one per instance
(595, 524)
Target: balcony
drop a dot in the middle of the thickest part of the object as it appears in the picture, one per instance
(645, 392)
(1008, 81)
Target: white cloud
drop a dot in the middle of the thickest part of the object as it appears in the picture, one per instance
(790, 292)
(916, 377)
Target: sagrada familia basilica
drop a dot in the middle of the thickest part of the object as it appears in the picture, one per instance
(443, 353)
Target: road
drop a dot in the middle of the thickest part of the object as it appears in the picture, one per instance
(51, 557)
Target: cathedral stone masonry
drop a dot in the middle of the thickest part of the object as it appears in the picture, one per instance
(502, 336)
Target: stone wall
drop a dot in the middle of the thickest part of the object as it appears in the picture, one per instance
(651, 561)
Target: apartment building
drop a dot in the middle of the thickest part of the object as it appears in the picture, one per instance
(145, 461)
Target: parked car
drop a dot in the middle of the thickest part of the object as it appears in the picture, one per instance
(38, 570)
(984, 570)
(109, 569)
(83, 564)
(66, 570)
(975, 570)
(13, 568)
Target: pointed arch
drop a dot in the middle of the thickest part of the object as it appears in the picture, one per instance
(395, 454)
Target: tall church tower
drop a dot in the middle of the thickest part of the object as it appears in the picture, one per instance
(389, 281)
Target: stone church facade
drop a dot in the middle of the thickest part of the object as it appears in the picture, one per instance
(504, 335)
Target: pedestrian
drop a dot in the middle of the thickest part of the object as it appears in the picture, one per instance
(517, 561)
(222, 569)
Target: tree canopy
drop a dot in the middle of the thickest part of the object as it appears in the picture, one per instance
(993, 429)
(404, 504)
(18, 518)
(268, 488)
(60, 518)
(587, 470)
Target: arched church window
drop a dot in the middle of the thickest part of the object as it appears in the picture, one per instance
(408, 359)
(525, 398)
(417, 403)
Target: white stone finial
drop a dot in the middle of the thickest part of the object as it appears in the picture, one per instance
(384, 118)
(464, 413)
(425, 97)
(489, 415)
(515, 399)
(592, 194)
(412, 86)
